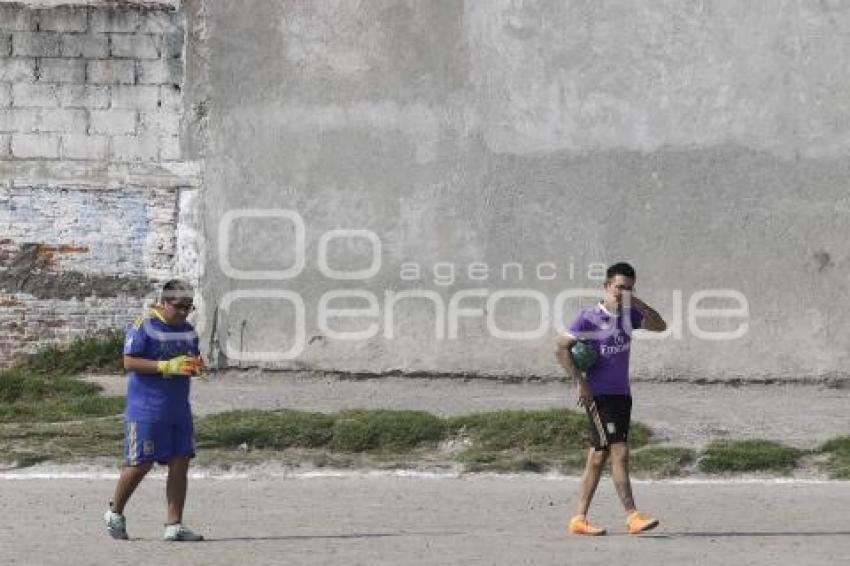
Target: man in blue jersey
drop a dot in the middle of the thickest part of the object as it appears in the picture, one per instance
(605, 391)
(160, 355)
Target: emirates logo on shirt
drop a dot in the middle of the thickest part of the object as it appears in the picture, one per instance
(620, 344)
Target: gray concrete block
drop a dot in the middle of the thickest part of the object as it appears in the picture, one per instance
(83, 96)
(75, 146)
(115, 19)
(35, 44)
(5, 145)
(32, 146)
(24, 120)
(162, 22)
(17, 69)
(172, 45)
(112, 122)
(172, 98)
(106, 71)
(62, 70)
(134, 45)
(63, 19)
(17, 18)
(92, 46)
(169, 149)
(30, 94)
(5, 95)
(71, 120)
(159, 123)
(136, 96)
(161, 71)
(5, 44)
(134, 148)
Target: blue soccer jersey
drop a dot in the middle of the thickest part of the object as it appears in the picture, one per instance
(150, 396)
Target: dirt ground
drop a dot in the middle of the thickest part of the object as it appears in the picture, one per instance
(372, 520)
(263, 517)
(680, 413)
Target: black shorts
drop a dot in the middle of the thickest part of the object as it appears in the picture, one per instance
(615, 415)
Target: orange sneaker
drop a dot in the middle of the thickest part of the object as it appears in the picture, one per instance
(579, 526)
(638, 522)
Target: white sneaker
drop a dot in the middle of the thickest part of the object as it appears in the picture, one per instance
(177, 532)
(116, 525)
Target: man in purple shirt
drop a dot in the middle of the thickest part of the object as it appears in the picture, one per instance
(604, 390)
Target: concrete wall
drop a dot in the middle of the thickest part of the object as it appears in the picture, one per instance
(705, 141)
(493, 155)
(97, 180)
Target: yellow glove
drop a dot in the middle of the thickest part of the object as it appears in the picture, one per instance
(180, 365)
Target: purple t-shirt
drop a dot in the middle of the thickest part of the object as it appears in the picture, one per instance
(611, 336)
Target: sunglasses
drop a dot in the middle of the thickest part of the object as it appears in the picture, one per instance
(188, 307)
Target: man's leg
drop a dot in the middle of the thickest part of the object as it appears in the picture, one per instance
(620, 475)
(137, 437)
(176, 486)
(590, 479)
(180, 452)
(175, 493)
(128, 481)
(636, 522)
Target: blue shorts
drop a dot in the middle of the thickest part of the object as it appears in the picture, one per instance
(157, 442)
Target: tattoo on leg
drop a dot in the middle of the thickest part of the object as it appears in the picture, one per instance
(624, 490)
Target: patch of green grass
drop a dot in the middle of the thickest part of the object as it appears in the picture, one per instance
(505, 441)
(523, 441)
(276, 430)
(390, 431)
(60, 410)
(838, 464)
(748, 456)
(348, 431)
(28, 397)
(558, 429)
(30, 443)
(42, 389)
(17, 385)
(505, 461)
(662, 461)
(639, 435)
(99, 351)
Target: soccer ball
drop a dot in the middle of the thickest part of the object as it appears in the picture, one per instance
(583, 355)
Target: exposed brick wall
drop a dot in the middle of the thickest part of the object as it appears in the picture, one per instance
(27, 324)
(77, 260)
(91, 110)
(128, 232)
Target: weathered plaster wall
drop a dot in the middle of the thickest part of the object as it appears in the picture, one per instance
(705, 141)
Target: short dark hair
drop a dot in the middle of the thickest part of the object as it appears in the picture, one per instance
(175, 289)
(621, 268)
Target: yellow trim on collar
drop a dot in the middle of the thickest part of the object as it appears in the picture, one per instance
(154, 313)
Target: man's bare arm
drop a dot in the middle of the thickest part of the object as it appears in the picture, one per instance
(141, 365)
(562, 354)
(652, 321)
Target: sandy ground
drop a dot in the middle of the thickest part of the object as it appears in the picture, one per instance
(681, 414)
(397, 520)
(265, 517)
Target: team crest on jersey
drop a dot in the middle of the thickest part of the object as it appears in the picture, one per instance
(147, 448)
